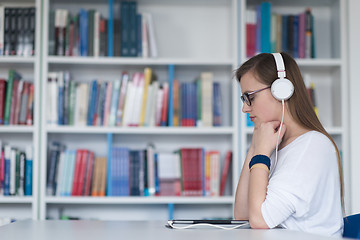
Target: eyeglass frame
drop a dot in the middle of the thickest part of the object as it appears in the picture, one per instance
(245, 97)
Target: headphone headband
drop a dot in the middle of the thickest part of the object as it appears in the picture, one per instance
(281, 88)
(280, 66)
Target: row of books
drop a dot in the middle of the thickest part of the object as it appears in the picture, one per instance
(16, 168)
(16, 100)
(270, 32)
(185, 172)
(129, 34)
(137, 100)
(17, 31)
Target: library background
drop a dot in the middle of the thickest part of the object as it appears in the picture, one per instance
(118, 110)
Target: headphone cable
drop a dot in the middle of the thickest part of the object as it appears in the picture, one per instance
(278, 138)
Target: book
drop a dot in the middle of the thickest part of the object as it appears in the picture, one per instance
(122, 97)
(2, 29)
(225, 173)
(147, 82)
(265, 27)
(125, 28)
(170, 100)
(7, 157)
(132, 29)
(114, 103)
(110, 29)
(217, 104)
(28, 171)
(2, 99)
(52, 168)
(13, 76)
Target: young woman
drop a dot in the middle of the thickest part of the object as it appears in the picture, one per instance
(300, 186)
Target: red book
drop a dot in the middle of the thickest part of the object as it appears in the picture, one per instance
(76, 173)
(2, 99)
(191, 160)
(225, 172)
(164, 110)
(82, 171)
(89, 173)
(29, 108)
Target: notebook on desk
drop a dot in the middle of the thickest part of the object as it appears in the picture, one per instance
(223, 224)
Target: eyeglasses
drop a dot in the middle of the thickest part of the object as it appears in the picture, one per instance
(245, 98)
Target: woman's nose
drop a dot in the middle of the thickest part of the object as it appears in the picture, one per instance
(245, 108)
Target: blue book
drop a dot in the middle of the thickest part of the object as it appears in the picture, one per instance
(183, 104)
(114, 171)
(83, 32)
(71, 167)
(193, 104)
(295, 53)
(28, 171)
(134, 173)
(125, 29)
(92, 97)
(139, 34)
(284, 33)
(132, 29)
(60, 99)
(109, 166)
(7, 171)
(110, 29)
(157, 181)
(171, 96)
(124, 171)
(265, 27)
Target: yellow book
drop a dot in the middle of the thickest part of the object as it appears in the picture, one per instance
(176, 103)
(147, 76)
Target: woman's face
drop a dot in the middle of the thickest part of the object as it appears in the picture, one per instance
(264, 107)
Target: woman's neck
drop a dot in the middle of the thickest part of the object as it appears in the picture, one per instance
(293, 130)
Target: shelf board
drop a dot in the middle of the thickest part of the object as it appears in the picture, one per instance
(330, 130)
(142, 130)
(137, 61)
(16, 129)
(319, 62)
(16, 59)
(139, 200)
(16, 199)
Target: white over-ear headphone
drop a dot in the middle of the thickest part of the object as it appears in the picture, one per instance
(281, 88)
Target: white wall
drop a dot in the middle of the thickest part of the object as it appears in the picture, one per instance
(354, 85)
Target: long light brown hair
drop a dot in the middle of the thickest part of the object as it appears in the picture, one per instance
(263, 66)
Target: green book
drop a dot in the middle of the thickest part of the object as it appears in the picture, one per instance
(72, 99)
(12, 76)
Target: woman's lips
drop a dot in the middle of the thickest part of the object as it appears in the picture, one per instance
(252, 118)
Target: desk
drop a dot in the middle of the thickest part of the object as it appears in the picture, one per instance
(135, 230)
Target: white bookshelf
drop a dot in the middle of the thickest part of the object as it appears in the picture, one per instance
(23, 207)
(199, 42)
(328, 71)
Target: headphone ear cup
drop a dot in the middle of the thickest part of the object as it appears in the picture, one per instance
(282, 89)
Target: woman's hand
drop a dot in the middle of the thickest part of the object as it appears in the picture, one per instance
(265, 137)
